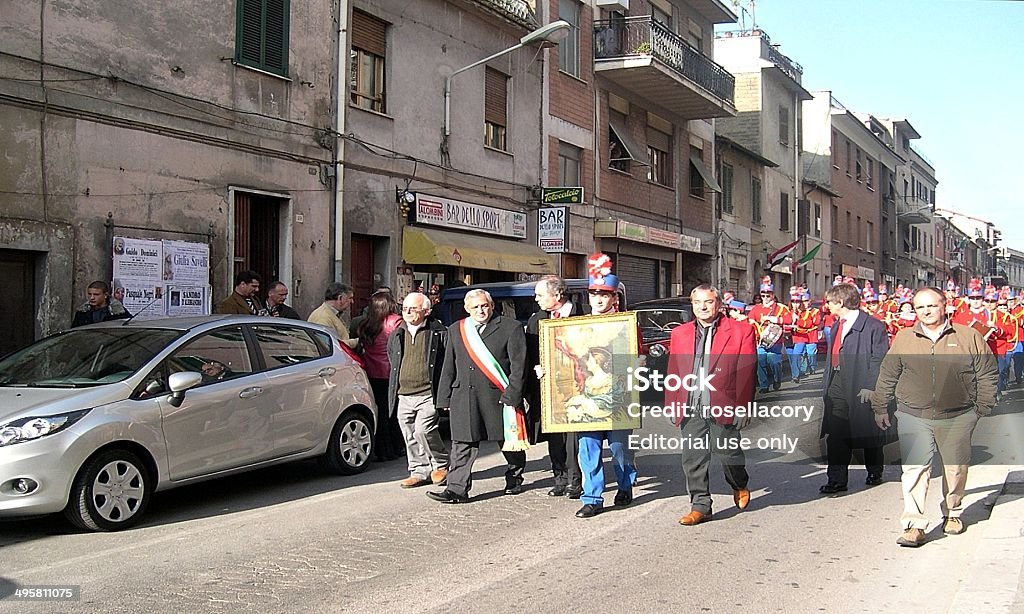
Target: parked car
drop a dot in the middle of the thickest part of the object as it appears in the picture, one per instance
(512, 299)
(96, 419)
(656, 319)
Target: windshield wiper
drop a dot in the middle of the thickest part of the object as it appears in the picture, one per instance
(46, 384)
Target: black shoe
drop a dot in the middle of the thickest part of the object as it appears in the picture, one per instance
(763, 390)
(796, 380)
(623, 498)
(558, 491)
(588, 511)
(574, 493)
(832, 488)
(447, 496)
(514, 489)
(776, 385)
(873, 480)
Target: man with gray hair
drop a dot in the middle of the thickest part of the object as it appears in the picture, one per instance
(552, 296)
(416, 354)
(337, 298)
(484, 364)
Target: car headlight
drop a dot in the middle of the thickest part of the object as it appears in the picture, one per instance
(34, 427)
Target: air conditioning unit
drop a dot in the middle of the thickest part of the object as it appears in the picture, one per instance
(612, 5)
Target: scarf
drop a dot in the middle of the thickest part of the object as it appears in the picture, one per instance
(514, 423)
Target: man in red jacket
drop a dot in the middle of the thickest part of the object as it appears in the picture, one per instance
(726, 349)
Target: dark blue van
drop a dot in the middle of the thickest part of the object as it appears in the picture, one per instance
(511, 299)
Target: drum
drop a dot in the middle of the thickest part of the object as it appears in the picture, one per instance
(770, 335)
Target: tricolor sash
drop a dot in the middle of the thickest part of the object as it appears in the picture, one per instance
(512, 418)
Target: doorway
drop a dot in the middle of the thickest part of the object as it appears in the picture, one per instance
(18, 300)
(257, 236)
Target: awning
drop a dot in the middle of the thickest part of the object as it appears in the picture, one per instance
(633, 151)
(430, 246)
(709, 179)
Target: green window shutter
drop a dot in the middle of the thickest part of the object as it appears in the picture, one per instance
(262, 35)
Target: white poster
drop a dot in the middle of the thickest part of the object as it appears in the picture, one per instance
(143, 299)
(186, 263)
(188, 300)
(138, 259)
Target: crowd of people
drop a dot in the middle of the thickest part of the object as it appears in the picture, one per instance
(920, 367)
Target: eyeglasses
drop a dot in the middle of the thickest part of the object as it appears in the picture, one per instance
(412, 309)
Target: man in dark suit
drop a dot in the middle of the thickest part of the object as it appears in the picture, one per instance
(277, 294)
(552, 296)
(476, 388)
(857, 345)
(726, 349)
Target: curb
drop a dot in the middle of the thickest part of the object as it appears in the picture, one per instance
(993, 576)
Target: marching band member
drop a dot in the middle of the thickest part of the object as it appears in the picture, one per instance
(1016, 309)
(806, 327)
(769, 359)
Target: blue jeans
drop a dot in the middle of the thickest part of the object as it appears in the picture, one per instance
(799, 349)
(1004, 370)
(1018, 362)
(593, 468)
(769, 366)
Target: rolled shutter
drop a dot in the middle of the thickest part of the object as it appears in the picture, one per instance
(368, 33)
(495, 97)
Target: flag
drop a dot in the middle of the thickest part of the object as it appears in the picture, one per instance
(775, 258)
(809, 255)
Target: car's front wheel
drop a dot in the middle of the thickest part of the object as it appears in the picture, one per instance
(348, 451)
(110, 493)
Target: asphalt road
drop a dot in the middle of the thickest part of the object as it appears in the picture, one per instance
(293, 539)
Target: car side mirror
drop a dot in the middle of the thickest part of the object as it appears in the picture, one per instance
(179, 383)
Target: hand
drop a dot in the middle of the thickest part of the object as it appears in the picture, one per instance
(865, 395)
(882, 420)
(539, 371)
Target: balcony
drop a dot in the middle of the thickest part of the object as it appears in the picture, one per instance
(519, 12)
(913, 210)
(646, 58)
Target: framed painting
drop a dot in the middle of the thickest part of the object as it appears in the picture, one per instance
(586, 363)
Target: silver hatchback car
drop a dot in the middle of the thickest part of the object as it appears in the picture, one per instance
(94, 420)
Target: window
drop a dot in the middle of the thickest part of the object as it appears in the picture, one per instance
(726, 181)
(218, 355)
(834, 223)
(696, 177)
(817, 220)
(835, 150)
(858, 240)
(261, 35)
(619, 155)
(369, 46)
(659, 148)
(662, 17)
(849, 228)
(871, 171)
(285, 346)
(569, 47)
(860, 168)
(783, 126)
(849, 158)
(495, 109)
(569, 158)
(755, 200)
(803, 217)
(783, 211)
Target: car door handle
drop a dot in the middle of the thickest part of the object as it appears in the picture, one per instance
(327, 372)
(249, 393)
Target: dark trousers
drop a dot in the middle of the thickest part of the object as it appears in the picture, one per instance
(460, 469)
(840, 443)
(563, 449)
(388, 441)
(696, 463)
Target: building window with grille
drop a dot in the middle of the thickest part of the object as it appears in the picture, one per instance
(783, 211)
(659, 148)
(726, 181)
(569, 159)
(261, 35)
(495, 109)
(369, 47)
(755, 200)
(569, 47)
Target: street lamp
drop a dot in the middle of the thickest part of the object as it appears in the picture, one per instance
(552, 32)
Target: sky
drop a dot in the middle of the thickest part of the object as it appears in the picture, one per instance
(953, 68)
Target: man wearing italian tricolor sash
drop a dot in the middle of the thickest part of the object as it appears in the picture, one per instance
(482, 384)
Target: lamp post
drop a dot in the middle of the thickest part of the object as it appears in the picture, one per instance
(551, 32)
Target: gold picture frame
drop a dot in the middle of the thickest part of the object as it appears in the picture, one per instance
(585, 384)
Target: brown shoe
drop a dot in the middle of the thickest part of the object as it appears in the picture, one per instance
(694, 517)
(439, 476)
(413, 482)
(741, 498)
(953, 526)
(911, 538)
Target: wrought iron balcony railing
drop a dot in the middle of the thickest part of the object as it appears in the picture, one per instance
(518, 11)
(640, 36)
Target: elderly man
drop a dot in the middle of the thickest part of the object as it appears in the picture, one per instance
(484, 365)
(244, 300)
(717, 344)
(858, 344)
(943, 377)
(277, 294)
(99, 307)
(416, 354)
(337, 299)
(552, 296)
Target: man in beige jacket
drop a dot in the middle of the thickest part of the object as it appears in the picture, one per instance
(943, 377)
(337, 298)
